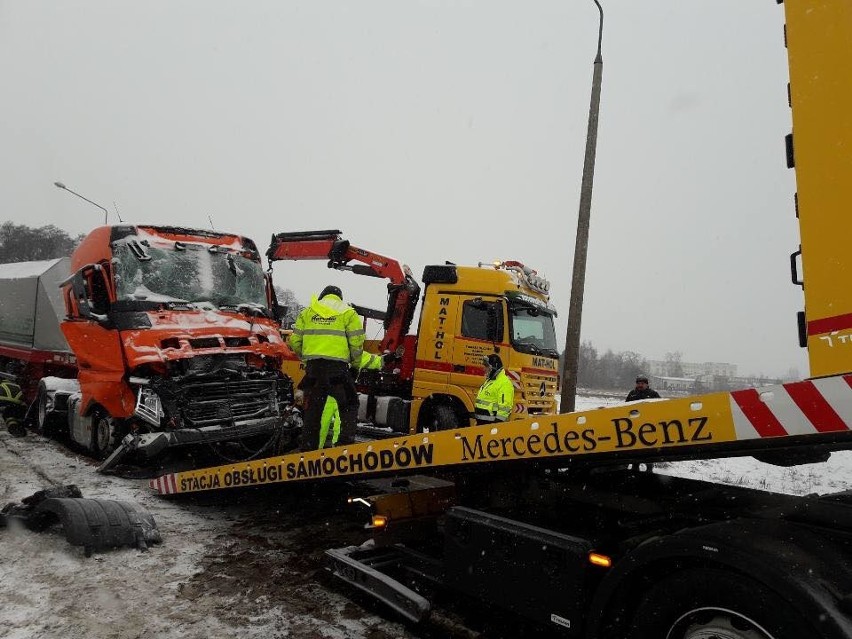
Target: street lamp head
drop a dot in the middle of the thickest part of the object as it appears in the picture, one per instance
(59, 185)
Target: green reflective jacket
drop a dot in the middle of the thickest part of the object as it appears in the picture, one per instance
(328, 329)
(10, 393)
(495, 399)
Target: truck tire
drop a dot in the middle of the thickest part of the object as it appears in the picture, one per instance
(443, 418)
(46, 423)
(702, 603)
(104, 434)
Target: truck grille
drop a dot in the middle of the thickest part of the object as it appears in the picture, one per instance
(539, 391)
(225, 401)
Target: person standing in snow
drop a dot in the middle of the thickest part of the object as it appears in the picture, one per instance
(328, 337)
(496, 397)
(642, 390)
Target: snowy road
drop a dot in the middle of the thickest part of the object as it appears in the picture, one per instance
(244, 564)
(223, 570)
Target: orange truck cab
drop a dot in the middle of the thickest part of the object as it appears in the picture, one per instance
(176, 340)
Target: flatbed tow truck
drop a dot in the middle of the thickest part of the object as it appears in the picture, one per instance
(561, 519)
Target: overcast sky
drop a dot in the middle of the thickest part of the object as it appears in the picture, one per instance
(432, 131)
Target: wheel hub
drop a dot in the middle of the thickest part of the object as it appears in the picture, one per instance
(103, 433)
(717, 624)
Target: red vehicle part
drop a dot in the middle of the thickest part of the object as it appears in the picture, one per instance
(403, 290)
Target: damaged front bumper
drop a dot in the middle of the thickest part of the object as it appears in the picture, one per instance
(149, 445)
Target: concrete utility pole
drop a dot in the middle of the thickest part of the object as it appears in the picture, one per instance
(571, 356)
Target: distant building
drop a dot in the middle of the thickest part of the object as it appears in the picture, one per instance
(694, 370)
(663, 383)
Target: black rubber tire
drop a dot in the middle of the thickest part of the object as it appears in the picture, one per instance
(443, 417)
(46, 423)
(691, 602)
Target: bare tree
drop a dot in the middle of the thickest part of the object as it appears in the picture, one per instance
(287, 298)
(674, 364)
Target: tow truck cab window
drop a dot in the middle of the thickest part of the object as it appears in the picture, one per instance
(532, 330)
(482, 320)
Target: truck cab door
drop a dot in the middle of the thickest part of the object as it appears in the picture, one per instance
(479, 332)
(95, 342)
(435, 340)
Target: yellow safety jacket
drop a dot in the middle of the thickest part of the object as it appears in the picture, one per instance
(328, 329)
(495, 399)
(330, 419)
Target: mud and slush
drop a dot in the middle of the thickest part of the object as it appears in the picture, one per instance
(245, 562)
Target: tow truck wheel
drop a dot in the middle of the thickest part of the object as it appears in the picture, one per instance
(443, 418)
(713, 604)
(104, 434)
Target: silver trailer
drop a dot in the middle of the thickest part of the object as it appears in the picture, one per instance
(31, 306)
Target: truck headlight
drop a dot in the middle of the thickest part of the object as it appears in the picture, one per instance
(148, 406)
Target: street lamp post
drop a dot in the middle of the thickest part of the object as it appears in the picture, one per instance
(60, 185)
(571, 356)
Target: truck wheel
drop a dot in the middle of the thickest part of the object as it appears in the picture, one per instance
(46, 423)
(104, 434)
(709, 603)
(443, 418)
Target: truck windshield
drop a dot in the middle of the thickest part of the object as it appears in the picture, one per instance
(532, 331)
(187, 273)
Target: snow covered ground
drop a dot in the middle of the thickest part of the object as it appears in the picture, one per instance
(221, 571)
(243, 564)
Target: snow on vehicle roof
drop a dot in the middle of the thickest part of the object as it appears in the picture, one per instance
(21, 270)
(199, 236)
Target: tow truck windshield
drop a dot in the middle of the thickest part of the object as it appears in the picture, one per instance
(184, 273)
(532, 331)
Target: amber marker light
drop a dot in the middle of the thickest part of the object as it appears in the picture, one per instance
(597, 559)
(379, 521)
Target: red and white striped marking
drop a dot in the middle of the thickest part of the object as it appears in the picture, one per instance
(515, 378)
(165, 485)
(799, 408)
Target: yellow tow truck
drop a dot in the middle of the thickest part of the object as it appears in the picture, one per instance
(467, 312)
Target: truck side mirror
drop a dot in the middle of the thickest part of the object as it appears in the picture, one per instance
(81, 296)
(90, 294)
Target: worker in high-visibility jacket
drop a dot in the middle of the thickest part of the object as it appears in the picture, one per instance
(496, 397)
(328, 337)
(330, 420)
(12, 407)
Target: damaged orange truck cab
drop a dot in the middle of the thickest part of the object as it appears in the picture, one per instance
(176, 341)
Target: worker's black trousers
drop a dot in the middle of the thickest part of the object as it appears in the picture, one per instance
(13, 415)
(323, 378)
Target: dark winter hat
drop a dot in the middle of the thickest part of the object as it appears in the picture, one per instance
(331, 290)
(493, 361)
(641, 378)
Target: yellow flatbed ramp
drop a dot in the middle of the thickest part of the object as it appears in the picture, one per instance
(795, 415)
